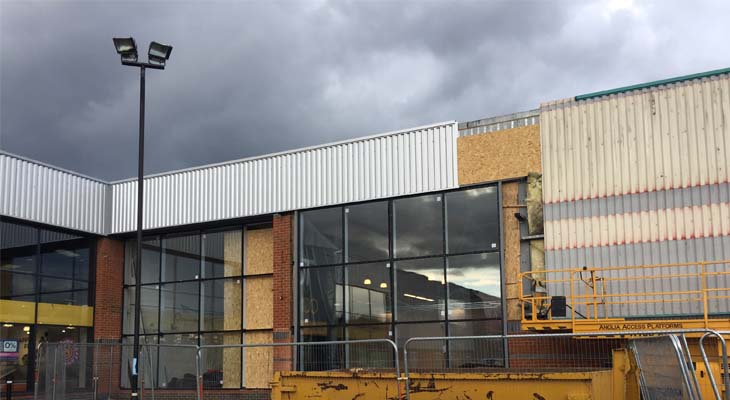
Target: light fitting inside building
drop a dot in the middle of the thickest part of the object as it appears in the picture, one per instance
(413, 296)
(383, 285)
(26, 328)
(7, 325)
(127, 49)
(367, 281)
(159, 53)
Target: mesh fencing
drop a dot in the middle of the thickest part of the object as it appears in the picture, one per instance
(252, 366)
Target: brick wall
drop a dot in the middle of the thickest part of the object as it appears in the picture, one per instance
(109, 290)
(108, 308)
(283, 301)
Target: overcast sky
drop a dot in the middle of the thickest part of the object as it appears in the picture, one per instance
(259, 77)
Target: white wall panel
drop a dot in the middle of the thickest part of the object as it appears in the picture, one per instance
(41, 193)
(393, 164)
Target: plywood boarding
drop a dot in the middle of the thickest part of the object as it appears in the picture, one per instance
(511, 249)
(232, 362)
(232, 304)
(259, 251)
(499, 155)
(232, 252)
(259, 302)
(259, 361)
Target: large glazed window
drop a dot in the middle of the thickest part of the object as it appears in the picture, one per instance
(421, 265)
(473, 220)
(418, 226)
(367, 232)
(204, 287)
(322, 237)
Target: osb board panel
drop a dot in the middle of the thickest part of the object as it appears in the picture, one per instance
(511, 250)
(493, 156)
(259, 251)
(232, 362)
(259, 302)
(232, 253)
(259, 361)
(232, 304)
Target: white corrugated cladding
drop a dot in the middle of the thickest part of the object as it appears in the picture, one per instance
(37, 192)
(412, 161)
(639, 177)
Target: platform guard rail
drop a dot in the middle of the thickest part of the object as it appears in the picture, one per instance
(680, 295)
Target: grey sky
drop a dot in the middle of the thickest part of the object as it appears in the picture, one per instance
(259, 77)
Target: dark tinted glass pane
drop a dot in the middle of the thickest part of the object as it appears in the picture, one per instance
(221, 305)
(367, 293)
(369, 355)
(476, 353)
(473, 220)
(322, 357)
(14, 286)
(55, 236)
(77, 298)
(18, 249)
(63, 261)
(321, 239)
(474, 286)
(423, 355)
(179, 307)
(222, 254)
(55, 284)
(16, 235)
(420, 290)
(150, 261)
(418, 226)
(148, 360)
(321, 294)
(180, 258)
(75, 372)
(149, 311)
(177, 364)
(14, 365)
(367, 232)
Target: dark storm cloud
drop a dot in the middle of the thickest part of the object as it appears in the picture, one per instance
(253, 78)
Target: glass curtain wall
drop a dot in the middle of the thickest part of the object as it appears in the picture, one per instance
(39, 268)
(417, 266)
(192, 292)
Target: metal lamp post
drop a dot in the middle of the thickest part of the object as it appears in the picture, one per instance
(158, 54)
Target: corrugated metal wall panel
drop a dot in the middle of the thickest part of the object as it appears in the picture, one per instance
(37, 192)
(393, 164)
(639, 178)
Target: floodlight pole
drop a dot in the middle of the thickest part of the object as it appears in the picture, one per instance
(134, 380)
(138, 264)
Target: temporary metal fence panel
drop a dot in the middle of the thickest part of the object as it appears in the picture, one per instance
(664, 373)
(34, 191)
(562, 352)
(251, 366)
(639, 177)
(96, 371)
(410, 161)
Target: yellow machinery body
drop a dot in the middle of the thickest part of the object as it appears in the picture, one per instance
(618, 383)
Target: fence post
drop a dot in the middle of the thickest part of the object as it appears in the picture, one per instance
(198, 375)
(55, 372)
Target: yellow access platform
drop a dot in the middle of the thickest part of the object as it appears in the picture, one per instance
(627, 298)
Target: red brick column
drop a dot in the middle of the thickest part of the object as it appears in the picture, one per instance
(108, 308)
(283, 300)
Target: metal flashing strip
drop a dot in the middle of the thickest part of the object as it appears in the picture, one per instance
(651, 84)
